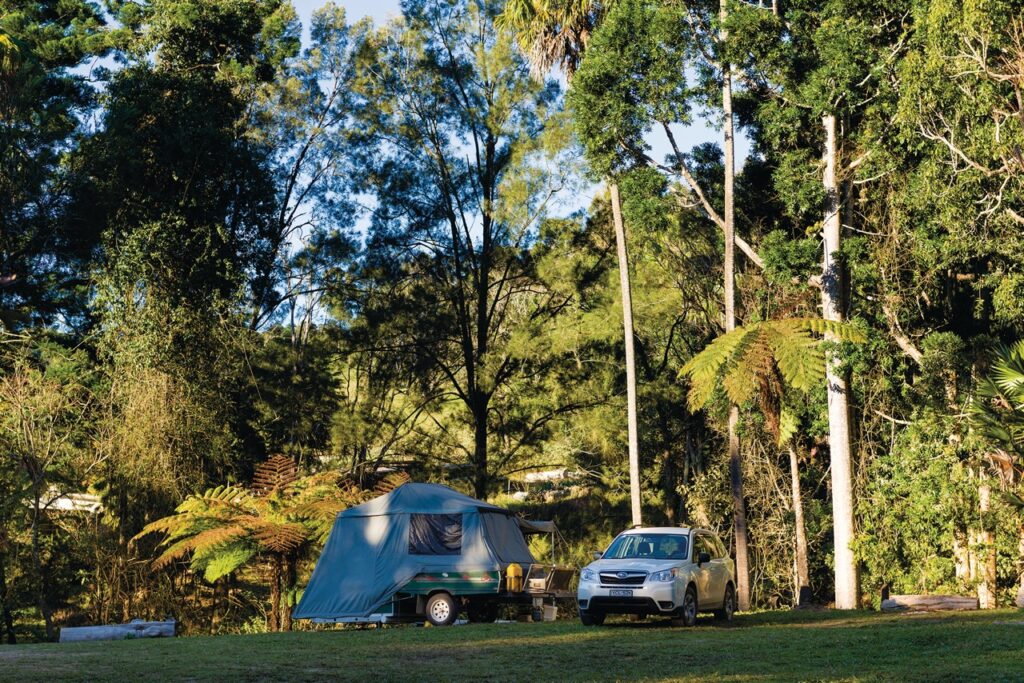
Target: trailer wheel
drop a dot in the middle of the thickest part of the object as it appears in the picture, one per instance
(482, 611)
(441, 609)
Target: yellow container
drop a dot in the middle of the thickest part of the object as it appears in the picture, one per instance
(514, 578)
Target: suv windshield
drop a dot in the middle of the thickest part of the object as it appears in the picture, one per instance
(647, 546)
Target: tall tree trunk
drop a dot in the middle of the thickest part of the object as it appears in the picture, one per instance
(987, 554)
(803, 574)
(289, 584)
(832, 285)
(627, 326)
(5, 610)
(37, 564)
(480, 478)
(1020, 558)
(962, 556)
(274, 622)
(735, 461)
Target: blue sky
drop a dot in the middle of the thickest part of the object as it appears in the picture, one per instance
(380, 10)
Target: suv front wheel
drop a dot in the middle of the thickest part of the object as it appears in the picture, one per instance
(728, 605)
(687, 615)
(591, 618)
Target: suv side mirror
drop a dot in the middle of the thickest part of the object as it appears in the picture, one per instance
(598, 554)
(703, 557)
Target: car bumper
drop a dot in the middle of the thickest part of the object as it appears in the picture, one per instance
(650, 598)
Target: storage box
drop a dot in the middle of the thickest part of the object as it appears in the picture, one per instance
(550, 612)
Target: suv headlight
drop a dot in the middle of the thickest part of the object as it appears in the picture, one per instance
(665, 575)
(588, 575)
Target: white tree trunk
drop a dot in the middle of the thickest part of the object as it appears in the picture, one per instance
(735, 460)
(1020, 557)
(838, 407)
(803, 575)
(987, 554)
(627, 325)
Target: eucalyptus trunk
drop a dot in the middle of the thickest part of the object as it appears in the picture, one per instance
(803, 574)
(37, 565)
(832, 287)
(289, 584)
(479, 410)
(6, 617)
(274, 622)
(627, 328)
(729, 218)
(987, 551)
(1020, 557)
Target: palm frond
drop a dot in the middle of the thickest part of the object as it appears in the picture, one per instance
(997, 409)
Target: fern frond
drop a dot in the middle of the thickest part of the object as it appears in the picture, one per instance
(175, 552)
(798, 355)
(327, 508)
(840, 330)
(391, 482)
(703, 369)
(218, 536)
(788, 425)
(164, 525)
(745, 372)
(281, 538)
(225, 561)
(274, 474)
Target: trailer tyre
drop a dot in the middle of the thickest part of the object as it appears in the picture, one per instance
(441, 609)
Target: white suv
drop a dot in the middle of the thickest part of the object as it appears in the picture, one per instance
(670, 571)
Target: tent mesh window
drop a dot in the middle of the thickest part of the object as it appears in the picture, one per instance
(435, 534)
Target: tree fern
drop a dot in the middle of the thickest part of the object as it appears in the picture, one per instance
(228, 527)
(747, 361)
(703, 369)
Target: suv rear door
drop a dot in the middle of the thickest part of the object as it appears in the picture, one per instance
(703, 573)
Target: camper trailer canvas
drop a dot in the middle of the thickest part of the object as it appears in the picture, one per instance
(427, 552)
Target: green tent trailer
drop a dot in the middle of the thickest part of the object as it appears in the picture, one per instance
(427, 552)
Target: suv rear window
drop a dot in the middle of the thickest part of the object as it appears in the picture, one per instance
(647, 546)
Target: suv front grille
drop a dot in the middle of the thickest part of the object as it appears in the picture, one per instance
(623, 578)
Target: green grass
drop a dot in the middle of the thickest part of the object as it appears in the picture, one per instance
(771, 646)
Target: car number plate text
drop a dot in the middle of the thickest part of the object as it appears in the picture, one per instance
(621, 593)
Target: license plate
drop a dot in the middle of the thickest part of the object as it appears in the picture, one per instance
(621, 593)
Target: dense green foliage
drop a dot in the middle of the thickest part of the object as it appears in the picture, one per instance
(382, 251)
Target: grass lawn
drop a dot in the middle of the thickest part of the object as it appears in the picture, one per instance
(771, 646)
